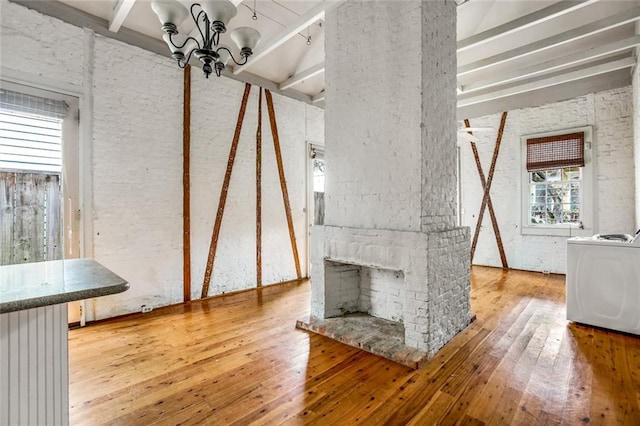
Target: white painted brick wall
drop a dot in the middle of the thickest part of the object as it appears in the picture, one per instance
(373, 87)
(614, 147)
(448, 280)
(315, 125)
(40, 45)
(382, 293)
(235, 265)
(137, 163)
(137, 175)
(610, 114)
(439, 204)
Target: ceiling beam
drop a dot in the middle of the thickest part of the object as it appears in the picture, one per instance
(313, 15)
(83, 19)
(119, 13)
(535, 18)
(317, 97)
(303, 75)
(555, 64)
(617, 20)
(548, 82)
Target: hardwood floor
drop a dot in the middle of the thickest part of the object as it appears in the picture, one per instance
(238, 359)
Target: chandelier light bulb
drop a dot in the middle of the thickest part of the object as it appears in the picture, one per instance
(171, 14)
(219, 11)
(246, 39)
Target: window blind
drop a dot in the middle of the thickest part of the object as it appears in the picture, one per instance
(21, 103)
(554, 152)
(30, 132)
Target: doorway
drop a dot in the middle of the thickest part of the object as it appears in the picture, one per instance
(39, 179)
(315, 192)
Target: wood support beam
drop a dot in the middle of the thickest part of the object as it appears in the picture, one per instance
(223, 194)
(312, 16)
(120, 12)
(486, 198)
(186, 183)
(535, 18)
(614, 21)
(283, 181)
(259, 194)
(303, 75)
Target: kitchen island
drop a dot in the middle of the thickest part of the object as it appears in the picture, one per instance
(34, 375)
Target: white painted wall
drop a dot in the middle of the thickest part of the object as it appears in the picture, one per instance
(375, 118)
(610, 113)
(136, 167)
(235, 265)
(40, 45)
(137, 175)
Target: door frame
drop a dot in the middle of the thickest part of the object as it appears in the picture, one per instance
(74, 167)
(311, 148)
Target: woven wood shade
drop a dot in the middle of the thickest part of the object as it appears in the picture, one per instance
(554, 152)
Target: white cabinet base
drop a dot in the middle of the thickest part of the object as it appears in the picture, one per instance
(34, 373)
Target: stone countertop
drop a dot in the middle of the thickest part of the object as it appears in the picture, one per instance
(31, 285)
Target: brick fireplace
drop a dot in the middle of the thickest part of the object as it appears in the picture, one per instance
(390, 268)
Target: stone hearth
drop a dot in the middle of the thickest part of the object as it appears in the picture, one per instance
(378, 336)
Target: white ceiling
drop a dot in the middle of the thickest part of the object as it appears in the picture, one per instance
(511, 53)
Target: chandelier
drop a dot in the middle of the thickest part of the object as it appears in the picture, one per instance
(210, 18)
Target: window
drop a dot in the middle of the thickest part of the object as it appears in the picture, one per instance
(555, 196)
(557, 183)
(38, 174)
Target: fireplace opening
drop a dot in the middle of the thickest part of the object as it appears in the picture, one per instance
(373, 291)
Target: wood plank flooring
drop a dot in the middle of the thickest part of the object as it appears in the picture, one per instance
(238, 359)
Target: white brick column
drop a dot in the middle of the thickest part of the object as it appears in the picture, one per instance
(390, 151)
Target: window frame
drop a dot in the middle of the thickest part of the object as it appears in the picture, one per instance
(588, 190)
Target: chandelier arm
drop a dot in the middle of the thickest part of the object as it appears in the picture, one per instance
(196, 19)
(208, 37)
(185, 42)
(186, 61)
(231, 55)
(216, 39)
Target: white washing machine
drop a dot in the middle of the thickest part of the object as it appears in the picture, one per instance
(603, 282)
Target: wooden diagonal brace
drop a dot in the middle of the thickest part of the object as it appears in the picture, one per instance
(223, 194)
(259, 194)
(283, 182)
(486, 198)
(186, 194)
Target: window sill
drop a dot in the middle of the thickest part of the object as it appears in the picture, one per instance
(556, 231)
